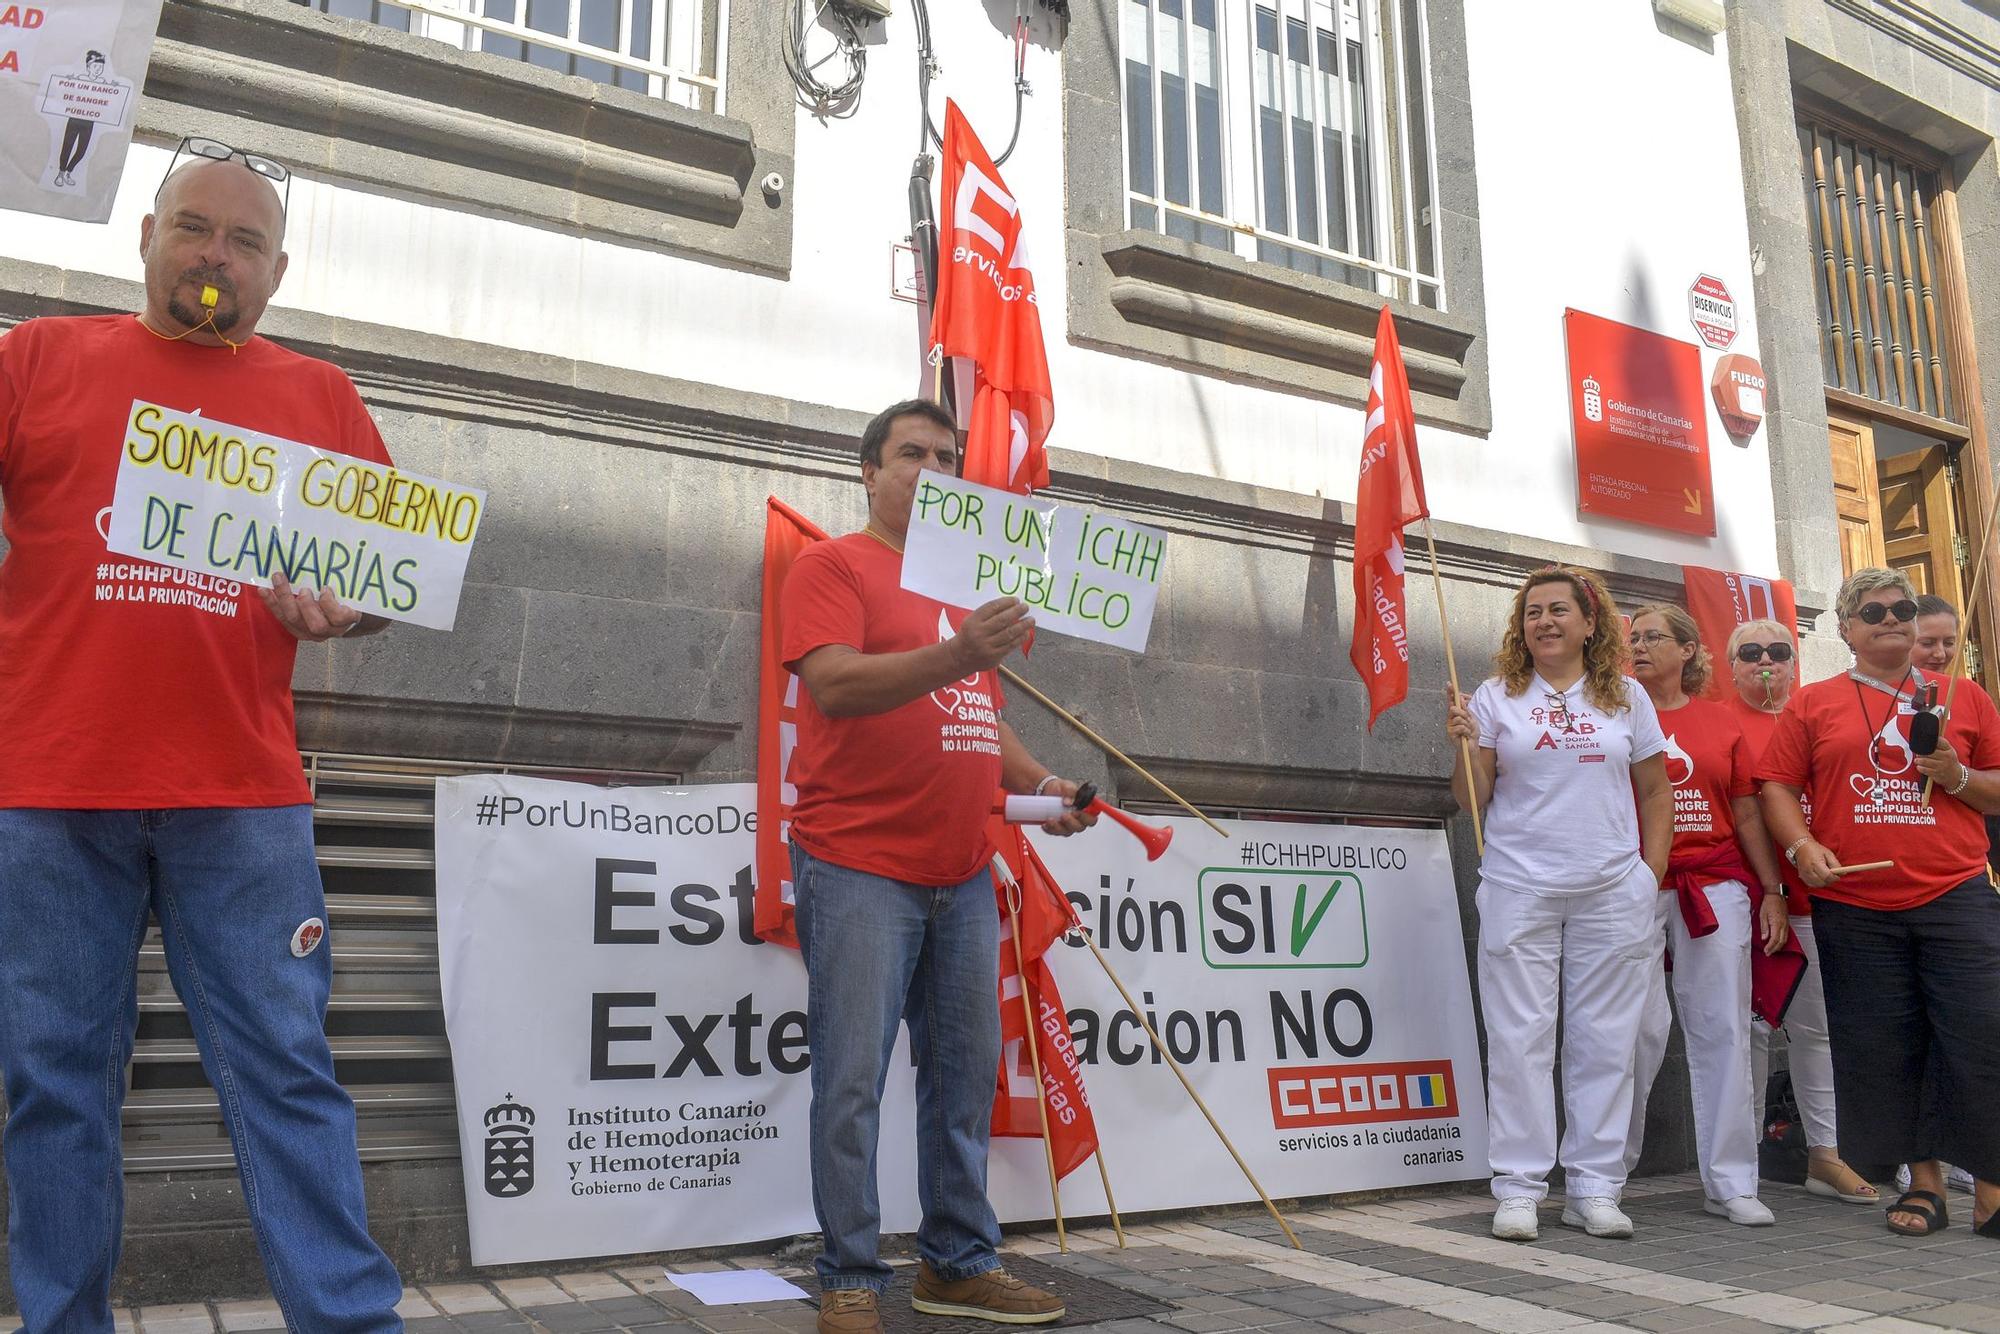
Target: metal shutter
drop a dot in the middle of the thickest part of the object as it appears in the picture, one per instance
(372, 826)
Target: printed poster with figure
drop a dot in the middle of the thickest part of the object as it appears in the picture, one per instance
(71, 72)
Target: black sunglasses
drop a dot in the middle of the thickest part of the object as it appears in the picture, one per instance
(1903, 609)
(215, 150)
(1756, 652)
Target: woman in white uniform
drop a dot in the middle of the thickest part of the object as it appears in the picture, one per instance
(1569, 767)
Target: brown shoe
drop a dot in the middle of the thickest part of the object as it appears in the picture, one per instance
(849, 1311)
(995, 1295)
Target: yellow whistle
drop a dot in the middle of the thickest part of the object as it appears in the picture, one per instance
(209, 296)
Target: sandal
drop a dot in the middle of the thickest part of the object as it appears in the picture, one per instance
(1867, 1194)
(1990, 1228)
(1924, 1204)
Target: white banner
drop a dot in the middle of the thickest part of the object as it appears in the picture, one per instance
(1082, 572)
(632, 1073)
(70, 76)
(203, 495)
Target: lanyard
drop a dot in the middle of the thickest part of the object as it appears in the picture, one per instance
(1889, 718)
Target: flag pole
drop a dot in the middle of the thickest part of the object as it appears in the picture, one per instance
(1451, 670)
(1077, 926)
(1104, 1175)
(1965, 622)
(1034, 1055)
(1059, 711)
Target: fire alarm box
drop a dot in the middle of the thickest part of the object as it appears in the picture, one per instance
(1738, 387)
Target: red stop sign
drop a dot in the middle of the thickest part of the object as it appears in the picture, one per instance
(1712, 311)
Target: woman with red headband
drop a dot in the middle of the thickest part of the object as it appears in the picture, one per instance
(1763, 668)
(1567, 765)
(1704, 913)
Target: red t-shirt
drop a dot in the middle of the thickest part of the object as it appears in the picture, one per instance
(1758, 725)
(1709, 763)
(1867, 794)
(904, 794)
(125, 684)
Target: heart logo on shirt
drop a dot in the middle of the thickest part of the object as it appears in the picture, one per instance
(1864, 786)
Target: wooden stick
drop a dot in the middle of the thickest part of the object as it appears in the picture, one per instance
(1035, 1055)
(1105, 1176)
(1860, 866)
(1015, 678)
(1181, 1075)
(937, 382)
(1965, 621)
(1451, 670)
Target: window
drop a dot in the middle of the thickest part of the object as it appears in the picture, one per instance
(1293, 132)
(672, 49)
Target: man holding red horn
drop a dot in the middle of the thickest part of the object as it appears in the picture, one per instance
(900, 749)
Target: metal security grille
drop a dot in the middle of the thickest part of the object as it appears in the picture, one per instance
(675, 49)
(372, 826)
(1293, 132)
(1873, 218)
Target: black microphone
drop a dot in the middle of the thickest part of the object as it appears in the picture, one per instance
(1926, 725)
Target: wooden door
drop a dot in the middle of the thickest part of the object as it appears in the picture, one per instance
(1919, 521)
(1857, 497)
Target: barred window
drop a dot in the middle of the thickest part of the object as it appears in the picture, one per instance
(672, 49)
(1293, 132)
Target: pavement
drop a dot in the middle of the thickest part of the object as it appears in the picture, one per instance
(1412, 1264)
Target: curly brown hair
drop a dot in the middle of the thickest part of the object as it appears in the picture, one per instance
(1698, 670)
(1603, 652)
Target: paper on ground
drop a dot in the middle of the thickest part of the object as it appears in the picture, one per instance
(732, 1287)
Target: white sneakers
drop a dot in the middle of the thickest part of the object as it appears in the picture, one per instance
(1743, 1210)
(1599, 1215)
(1515, 1219)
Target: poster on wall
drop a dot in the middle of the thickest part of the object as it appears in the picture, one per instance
(631, 1062)
(71, 73)
(1641, 426)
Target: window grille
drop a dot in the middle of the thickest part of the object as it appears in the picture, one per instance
(1293, 132)
(1874, 240)
(673, 49)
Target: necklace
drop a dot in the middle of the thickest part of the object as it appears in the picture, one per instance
(883, 538)
(1888, 720)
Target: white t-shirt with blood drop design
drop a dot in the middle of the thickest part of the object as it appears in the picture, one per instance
(1562, 820)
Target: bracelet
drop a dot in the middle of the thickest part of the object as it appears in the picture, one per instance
(1043, 785)
(1792, 853)
(1964, 777)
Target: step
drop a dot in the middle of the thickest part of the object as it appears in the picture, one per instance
(346, 1047)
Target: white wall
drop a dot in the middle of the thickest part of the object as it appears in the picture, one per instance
(1608, 176)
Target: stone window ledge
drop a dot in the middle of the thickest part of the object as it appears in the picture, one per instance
(1207, 310)
(344, 99)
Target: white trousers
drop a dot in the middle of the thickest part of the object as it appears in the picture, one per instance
(1810, 1051)
(1711, 980)
(1589, 955)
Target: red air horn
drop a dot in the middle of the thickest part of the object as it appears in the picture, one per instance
(1036, 810)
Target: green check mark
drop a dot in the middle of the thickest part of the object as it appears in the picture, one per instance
(1303, 926)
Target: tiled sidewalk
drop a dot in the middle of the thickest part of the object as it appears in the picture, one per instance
(1415, 1264)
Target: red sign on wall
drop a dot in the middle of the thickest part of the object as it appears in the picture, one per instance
(1641, 423)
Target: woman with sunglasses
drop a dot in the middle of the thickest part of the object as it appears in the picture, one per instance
(1579, 817)
(1704, 914)
(1909, 943)
(1763, 667)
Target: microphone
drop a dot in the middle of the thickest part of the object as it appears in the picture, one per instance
(1926, 725)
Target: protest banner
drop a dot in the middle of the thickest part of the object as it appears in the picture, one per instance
(1641, 426)
(70, 75)
(631, 1065)
(1082, 571)
(221, 500)
(1721, 600)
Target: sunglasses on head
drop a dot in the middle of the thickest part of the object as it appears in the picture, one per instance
(1757, 652)
(1872, 613)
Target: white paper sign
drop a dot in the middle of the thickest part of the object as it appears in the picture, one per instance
(632, 1071)
(70, 71)
(221, 500)
(1082, 571)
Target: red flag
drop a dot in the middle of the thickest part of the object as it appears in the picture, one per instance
(1721, 600)
(1390, 495)
(786, 534)
(1044, 918)
(985, 311)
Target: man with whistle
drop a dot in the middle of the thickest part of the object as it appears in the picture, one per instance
(901, 748)
(149, 768)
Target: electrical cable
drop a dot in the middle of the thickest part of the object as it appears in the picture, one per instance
(927, 69)
(836, 100)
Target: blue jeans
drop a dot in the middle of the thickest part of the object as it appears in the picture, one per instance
(879, 952)
(229, 887)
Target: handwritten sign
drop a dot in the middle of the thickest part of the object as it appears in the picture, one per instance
(225, 501)
(1082, 571)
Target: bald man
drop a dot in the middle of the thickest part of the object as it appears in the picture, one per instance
(148, 766)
